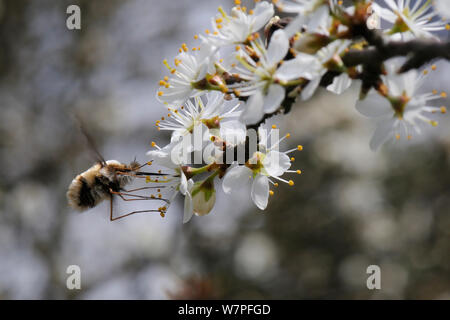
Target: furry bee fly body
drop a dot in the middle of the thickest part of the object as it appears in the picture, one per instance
(94, 185)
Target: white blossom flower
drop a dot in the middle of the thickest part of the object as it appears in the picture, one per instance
(199, 197)
(320, 23)
(240, 25)
(411, 18)
(314, 33)
(265, 167)
(189, 74)
(311, 14)
(403, 112)
(326, 58)
(265, 77)
(205, 114)
(173, 178)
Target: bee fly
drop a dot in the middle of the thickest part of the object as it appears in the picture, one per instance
(104, 180)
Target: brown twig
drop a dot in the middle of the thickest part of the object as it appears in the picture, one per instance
(419, 53)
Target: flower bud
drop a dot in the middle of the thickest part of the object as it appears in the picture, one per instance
(203, 197)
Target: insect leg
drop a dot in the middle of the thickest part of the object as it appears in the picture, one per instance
(143, 188)
(139, 197)
(111, 208)
(111, 218)
(133, 212)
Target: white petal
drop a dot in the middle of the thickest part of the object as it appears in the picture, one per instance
(164, 157)
(199, 136)
(175, 95)
(340, 84)
(260, 191)
(303, 66)
(179, 153)
(384, 13)
(319, 20)
(183, 183)
(253, 110)
(236, 178)
(294, 26)
(214, 104)
(309, 90)
(263, 12)
(188, 208)
(278, 47)
(374, 105)
(382, 133)
(233, 132)
(202, 71)
(274, 98)
(276, 163)
(410, 80)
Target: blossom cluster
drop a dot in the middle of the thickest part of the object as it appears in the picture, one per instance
(251, 64)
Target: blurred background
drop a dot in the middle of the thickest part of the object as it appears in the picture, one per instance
(350, 208)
